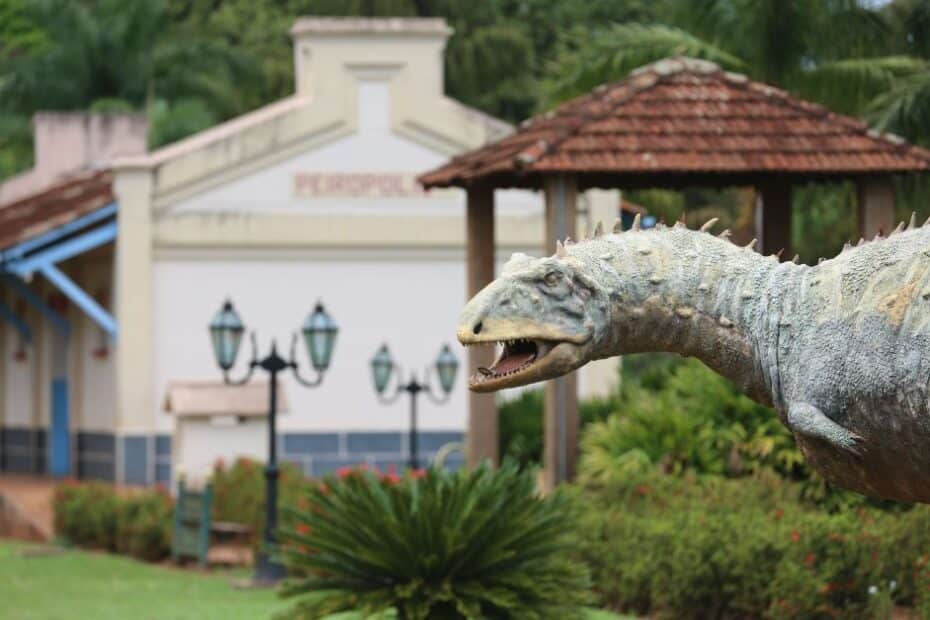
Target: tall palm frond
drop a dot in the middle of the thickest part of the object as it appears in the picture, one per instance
(849, 85)
(905, 108)
(611, 54)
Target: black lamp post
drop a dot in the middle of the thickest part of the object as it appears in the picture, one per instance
(383, 366)
(319, 333)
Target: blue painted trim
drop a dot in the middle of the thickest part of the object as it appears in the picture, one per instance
(60, 444)
(16, 321)
(19, 250)
(62, 251)
(36, 302)
(81, 299)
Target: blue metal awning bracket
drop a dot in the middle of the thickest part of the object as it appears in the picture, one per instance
(64, 250)
(81, 299)
(36, 302)
(20, 250)
(16, 321)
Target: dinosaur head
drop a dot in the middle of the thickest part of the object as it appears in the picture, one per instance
(546, 316)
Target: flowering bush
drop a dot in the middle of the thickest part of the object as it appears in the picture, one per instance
(239, 492)
(432, 544)
(143, 525)
(85, 514)
(93, 515)
(690, 547)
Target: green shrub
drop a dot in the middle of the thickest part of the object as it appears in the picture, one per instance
(478, 544)
(520, 423)
(709, 547)
(93, 515)
(85, 514)
(239, 492)
(143, 525)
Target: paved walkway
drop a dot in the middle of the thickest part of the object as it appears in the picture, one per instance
(29, 498)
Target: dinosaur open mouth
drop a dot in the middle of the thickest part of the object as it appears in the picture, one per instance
(513, 357)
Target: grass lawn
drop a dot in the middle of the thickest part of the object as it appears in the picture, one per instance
(76, 584)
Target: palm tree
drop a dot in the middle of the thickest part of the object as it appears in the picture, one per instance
(117, 55)
(833, 51)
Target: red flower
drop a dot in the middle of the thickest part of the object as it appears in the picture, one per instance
(344, 472)
(303, 528)
(810, 558)
(417, 474)
(795, 536)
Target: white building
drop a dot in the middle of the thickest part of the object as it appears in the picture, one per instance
(114, 260)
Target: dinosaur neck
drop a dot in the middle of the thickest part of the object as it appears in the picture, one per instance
(690, 293)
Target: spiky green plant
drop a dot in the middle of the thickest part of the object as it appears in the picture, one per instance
(472, 544)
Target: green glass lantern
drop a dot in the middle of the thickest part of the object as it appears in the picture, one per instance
(320, 333)
(446, 367)
(381, 368)
(226, 330)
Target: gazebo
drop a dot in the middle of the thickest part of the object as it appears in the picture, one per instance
(675, 123)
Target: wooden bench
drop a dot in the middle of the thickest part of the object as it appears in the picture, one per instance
(197, 536)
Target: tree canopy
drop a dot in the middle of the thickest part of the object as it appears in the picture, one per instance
(190, 64)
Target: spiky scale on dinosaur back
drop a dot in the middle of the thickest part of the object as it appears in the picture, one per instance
(841, 350)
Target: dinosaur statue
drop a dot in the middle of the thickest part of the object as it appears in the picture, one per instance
(841, 350)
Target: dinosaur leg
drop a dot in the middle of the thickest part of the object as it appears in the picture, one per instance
(812, 422)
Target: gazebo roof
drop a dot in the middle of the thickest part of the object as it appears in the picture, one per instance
(679, 122)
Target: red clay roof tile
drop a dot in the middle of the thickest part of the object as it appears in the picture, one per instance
(684, 117)
(53, 207)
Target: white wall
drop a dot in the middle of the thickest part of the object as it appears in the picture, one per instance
(18, 382)
(96, 374)
(412, 305)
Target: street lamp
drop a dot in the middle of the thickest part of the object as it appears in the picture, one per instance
(319, 333)
(383, 366)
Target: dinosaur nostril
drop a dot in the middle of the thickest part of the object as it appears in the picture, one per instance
(477, 328)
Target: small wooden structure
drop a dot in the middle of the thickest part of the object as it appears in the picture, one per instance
(672, 124)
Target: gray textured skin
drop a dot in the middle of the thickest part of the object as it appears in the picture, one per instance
(841, 350)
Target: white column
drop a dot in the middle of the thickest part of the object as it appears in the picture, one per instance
(135, 398)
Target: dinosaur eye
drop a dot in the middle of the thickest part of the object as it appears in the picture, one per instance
(552, 278)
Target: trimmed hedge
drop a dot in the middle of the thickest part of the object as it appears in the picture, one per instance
(93, 515)
(686, 547)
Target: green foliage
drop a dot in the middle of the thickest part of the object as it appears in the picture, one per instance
(85, 514)
(688, 547)
(678, 415)
(239, 491)
(683, 416)
(478, 544)
(92, 514)
(143, 525)
(520, 424)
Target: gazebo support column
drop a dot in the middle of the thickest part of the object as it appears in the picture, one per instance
(773, 217)
(482, 438)
(875, 197)
(561, 410)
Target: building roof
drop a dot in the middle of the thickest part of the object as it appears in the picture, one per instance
(54, 207)
(677, 122)
(368, 25)
(215, 398)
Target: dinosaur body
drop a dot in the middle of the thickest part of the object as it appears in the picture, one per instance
(841, 350)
